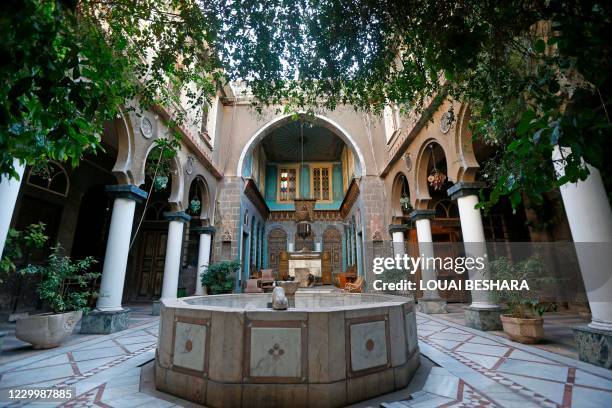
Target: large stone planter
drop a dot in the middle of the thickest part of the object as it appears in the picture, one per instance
(527, 331)
(47, 330)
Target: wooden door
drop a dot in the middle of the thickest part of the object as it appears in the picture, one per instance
(453, 250)
(277, 243)
(150, 268)
(332, 244)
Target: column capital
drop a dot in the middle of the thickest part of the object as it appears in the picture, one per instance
(463, 189)
(204, 230)
(398, 228)
(129, 191)
(422, 215)
(177, 216)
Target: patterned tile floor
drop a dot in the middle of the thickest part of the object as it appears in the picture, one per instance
(500, 372)
(476, 369)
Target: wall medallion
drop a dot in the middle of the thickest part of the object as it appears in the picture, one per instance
(446, 121)
(146, 128)
(408, 161)
(189, 165)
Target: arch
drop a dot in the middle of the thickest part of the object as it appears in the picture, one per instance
(280, 121)
(203, 194)
(126, 146)
(400, 183)
(446, 208)
(464, 148)
(54, 180)
(177, 187)
(277, 243)
(422, 196)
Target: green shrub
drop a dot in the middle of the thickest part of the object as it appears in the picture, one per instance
(523, 304)
(219, 278)
(64, 284)
(19, 245)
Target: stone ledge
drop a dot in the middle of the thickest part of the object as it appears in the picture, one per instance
(483, 319)
(594, 346)
(432, 306)
(105, 322)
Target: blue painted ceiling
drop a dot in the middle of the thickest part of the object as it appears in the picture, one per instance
(320, 144)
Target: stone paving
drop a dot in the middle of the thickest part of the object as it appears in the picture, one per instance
(476, 370)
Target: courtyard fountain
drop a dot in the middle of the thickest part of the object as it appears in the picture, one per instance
(325, 350)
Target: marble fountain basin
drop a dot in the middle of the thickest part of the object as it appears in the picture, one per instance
(330, 350)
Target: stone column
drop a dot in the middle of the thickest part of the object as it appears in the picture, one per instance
(9, 189)
(206, 234)
(397, 236)
(174, 246)
(590, 220)
(483, 313)
(109, 316)
(431, 302)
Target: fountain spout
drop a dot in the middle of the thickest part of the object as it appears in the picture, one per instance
(279, 300)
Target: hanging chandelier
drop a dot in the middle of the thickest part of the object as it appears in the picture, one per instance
(304, 207)
(436, 178)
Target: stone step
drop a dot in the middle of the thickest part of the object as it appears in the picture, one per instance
(440, 388)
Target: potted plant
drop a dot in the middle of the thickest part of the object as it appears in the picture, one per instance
(523, 322)
(64, 289)
(219, 277)
(18, 248)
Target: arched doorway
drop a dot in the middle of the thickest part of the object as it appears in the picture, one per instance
(148, 245)
(445, 227)
(277, 243)
(332, 244)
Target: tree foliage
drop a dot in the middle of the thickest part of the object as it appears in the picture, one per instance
(536, 74)
(69, 66)
(19, 245)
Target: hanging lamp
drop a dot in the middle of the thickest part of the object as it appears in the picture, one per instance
(436, 178)
(304, 207)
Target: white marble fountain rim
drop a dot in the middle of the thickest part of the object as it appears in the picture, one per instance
(183, 303)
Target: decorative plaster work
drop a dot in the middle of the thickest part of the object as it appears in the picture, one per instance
(408, 161)
(446, 121)
(146, 128)
(189, 346)
(276, 352)
(189, 165)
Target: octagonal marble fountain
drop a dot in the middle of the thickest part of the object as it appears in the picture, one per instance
(330, 350)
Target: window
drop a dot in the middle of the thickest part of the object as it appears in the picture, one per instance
(288, 184)
(321, 183)
(204, 122)
(391, 116)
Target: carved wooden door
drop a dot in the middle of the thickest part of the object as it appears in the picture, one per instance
(332, 244)
(277, 243)
(150, 268)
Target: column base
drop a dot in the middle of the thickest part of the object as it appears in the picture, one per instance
(105, 322)
(594, 346)
(156, 310)
(432, 306)
(483, 319)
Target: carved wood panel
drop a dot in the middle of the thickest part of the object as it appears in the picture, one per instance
(332, 244)
(277, 243)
